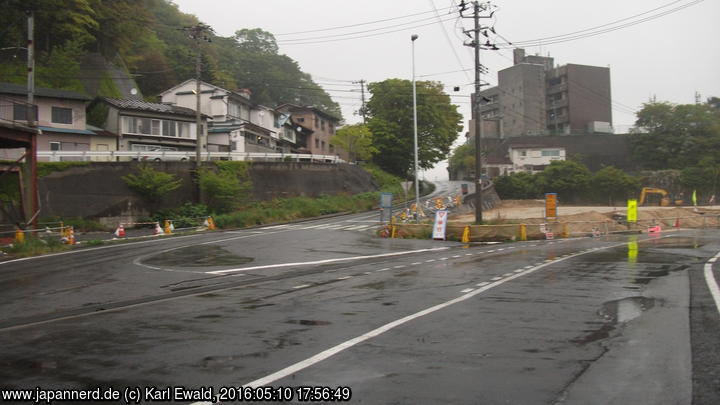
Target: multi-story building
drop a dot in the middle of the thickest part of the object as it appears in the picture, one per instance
(533, 97)
(59, 115)
(322, 125)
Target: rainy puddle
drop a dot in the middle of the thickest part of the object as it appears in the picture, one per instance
(614, 313)
(309, 322)
(197, 256)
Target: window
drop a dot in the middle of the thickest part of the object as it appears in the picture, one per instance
(322, 146)
(155, 127)
(523, 153)
(61, 115)
(168, 128)
(322, 124)
(316, 122)
(332, 148)
(317, 143)
(20, 112)
(551, 152)
(55, 146)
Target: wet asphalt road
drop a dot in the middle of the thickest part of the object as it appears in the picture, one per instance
(612, 320)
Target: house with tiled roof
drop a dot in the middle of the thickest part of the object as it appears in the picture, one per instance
(58, 114)
(144, 126)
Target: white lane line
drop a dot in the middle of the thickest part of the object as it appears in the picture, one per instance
(297, 287)
(496, 278)
(275, 226)
(518, 270)
(443, 258)
(294, 368)
(468, 254)
(312, 226)
(355, 228)
(710, 280)
(415, 264)
(483, 284)
(467, 290)
(456, 256)
(529, 267)
(490, 251)
(368, 273)
(429, 261)
(344, 278)
(385, 269)
(507, 274)
(399, 267)
(339, 259)
(501, 249)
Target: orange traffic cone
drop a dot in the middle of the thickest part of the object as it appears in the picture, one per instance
(158, 230)
(120, 231)
(71, 236)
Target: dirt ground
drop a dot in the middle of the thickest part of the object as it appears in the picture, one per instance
(588, 217)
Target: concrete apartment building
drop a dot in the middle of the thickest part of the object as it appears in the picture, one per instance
(322, 125)
(534, 97)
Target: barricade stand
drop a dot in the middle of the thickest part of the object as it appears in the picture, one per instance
(523, 232)
(19, 236)
(168, 227)
(565, 231)
(120, 231)
(466, 235)
(158, 230)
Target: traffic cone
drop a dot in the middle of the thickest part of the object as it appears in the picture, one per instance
(71, 236)
(158, 230)
(120, 231)
(19, 236)
(677, 222)
(168, 227)
(211, 223)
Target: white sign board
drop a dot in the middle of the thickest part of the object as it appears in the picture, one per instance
(407, 185)
(440, 224)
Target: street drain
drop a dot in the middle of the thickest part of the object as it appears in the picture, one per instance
(197, 256)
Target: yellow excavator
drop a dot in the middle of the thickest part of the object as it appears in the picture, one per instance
(664, 199)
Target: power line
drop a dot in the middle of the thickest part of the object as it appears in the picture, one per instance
(355, 25)
(570, 37)
(447, 38)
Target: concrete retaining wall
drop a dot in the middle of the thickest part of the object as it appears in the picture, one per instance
(98, 190)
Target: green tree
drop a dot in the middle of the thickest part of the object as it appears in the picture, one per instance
(677, 136)
(569, 179)
(152, 184)
(226, 187)
(611, 185)
(356, 140)
(521, 185)
(391, 122)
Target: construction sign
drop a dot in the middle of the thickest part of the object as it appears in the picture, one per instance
(550, 205)
(440, 225)
(632, 211)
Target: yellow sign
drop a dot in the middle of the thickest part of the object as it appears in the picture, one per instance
(632, 211)
(550, 205)
(632, 250)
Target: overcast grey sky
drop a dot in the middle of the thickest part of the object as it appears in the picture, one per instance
(671, 57)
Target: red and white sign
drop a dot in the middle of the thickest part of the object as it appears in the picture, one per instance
(440, 225)
(549, 235)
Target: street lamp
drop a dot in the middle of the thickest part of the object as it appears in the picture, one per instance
(413, 37)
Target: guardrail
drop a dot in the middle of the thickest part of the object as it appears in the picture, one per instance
(184, 156)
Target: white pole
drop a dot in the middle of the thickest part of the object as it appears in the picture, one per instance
(415, 132)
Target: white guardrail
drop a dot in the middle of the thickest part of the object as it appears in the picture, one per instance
(183, 156)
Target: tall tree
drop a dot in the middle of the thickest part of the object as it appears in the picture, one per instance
(356, 140)
(391, 122)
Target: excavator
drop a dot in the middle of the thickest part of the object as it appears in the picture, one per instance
(664, 200)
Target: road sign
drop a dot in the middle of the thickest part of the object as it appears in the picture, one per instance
(406, 185)
(385, 207)
(440, 225)
(632, 211)
(550, 205)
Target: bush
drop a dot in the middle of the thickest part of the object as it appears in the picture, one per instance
(152, 184)
(227, 187)
(45, 168)
(185, 216)
(34, 246)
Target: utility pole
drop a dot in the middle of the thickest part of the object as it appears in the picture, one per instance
(362, 82)
(476, 100)
(199, 32)
(31, 66)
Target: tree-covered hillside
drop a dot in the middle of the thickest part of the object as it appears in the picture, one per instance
(147, 37)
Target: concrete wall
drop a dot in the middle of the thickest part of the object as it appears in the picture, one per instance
(97, 190)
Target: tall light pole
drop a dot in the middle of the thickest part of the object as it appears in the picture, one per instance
(413, 37)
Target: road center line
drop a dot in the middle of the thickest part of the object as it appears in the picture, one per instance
(294, 368)
(710, 280)
(339, 259)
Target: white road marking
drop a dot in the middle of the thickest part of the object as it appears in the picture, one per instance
(500, 249)
(443, 258)
(275, 226)
(312, 226)
(399, 267)
(529, 267)
(507, 274)
(344, 278)
(490, 251)
(456, 256)
(496, 278)
(710, 280)
(467, 290)
(415, 264)
(518, 270)
(483, 284)
(385, 269)
(296, 367)
(297, 287)
(429, 261)
(468, 254)
(368, 272)
(339, 259)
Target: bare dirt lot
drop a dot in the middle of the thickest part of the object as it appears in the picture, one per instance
(533, 212)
